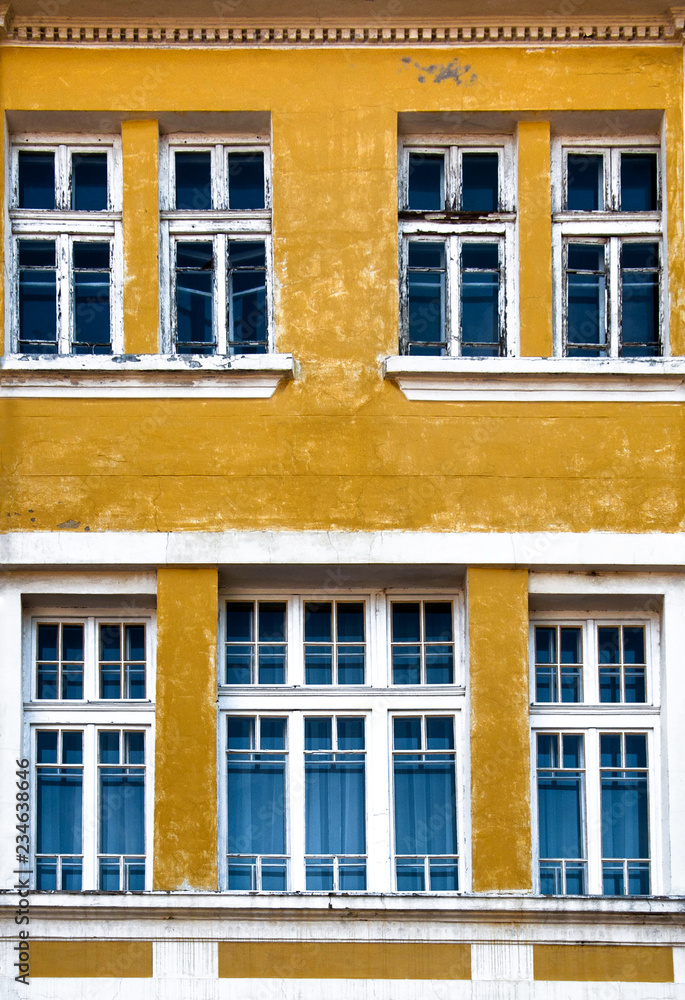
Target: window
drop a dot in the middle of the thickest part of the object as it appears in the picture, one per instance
(216, 229)
(456, 232)
(609, 249)
(594, 714)
(92, 798)
(330, 783)
(65, 249)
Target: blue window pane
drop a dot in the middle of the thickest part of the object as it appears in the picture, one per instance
(480, 326)
(194, 298)
(318, 665)
(444, 875)
(239, 622)
(318, 734)
(72, 748)
(609, 644)
(108, 747)
(545, 645)
(406, 622)
(584, 182)
(193, 181)
(272, 734)
(426, 182)
(271, 665)
(334, 806)
(352, 876)
(610, 750)
(240, 733)
(59, 811)
(350, 734)
(439, 733)
(317, 622)
(36, 180)
(586, 297)
(480, 182)
(110, 643)
(609, 684)
(135, 682)
(110, 683)
(256, 805)
(135, 874)
(625, 823)
(438, 621)
(638, 878)
(426, 298)
(134, 636)
(89, 182)
(560, 816)
(274, 876)
(613, 879)
(439, 664)
(570, 645)
(551, 878)
(319, 876)
(271, 621)
(46, 874)
(37, 297)
(247, 296)
(351, 665)
(239, 664)
(122, 827)
(91, 298)
(242, 874)
(425, 807)
(633, 644)
(545, 683)
(639, 314)
(109, 875)
(46, 747)
(576, 880)
(634, 683)
(47, 642)
(548, 750)
(350, 622)
(571, 685)
(134, 748)
(71, 874)
(572, 747)
(246, 180)
(638, 182)
(636, 750)
(407, 734)
(410, 875)
(406, 664)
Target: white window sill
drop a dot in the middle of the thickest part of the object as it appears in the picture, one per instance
(254, 376)
(539, 379)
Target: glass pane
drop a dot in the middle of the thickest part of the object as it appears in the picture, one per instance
(438, 621)
(439, 734)
(194, 181)
(134, 748)
(89, 182)
(274, 876)
(351, 665)
(72, 643)
(318, 665)
(572, 746)
(350, 622)
(426, 182)
(239, 664)
(47, 642)
(239, 621)
(46, 686)
(72, 748)
(546, 683)
(271, 621)
(406, 664)
(638, 878)
(426, 294)
(135, 874)
(46, 874)
(406, 622)
(134, 642)
(36, 180)
(246, 180)
(586, 295)
(240, 733)
(350, 734)
(59, 811)
(560, 816)
(439, 664)
(71, 874)
(479, 182)
(108, 748)
(319, 876)
(609, 684)
(444, 875)
(194, 294)
(37, 296)
(636, 750)
(352, 875)
(334, 806)
(110, 642)
(407, 734)
(256, 805)
(479, 308)
(272, 734)
(122, 828)
(638, 182)
(633, 644)
(425, 807)
(571, 685)
(610, 750)
(570, 645)
(271, 665)
(609, 644)
(411, 876)
(548, 750)
(317, 622)
(110, 875)
(46, 747)
(639, 313)
(584, 182)
(242, 874)
(91, 302)
(247, 295)
(551, 878)
(318, 734)
(576, 880)
(625, 823)
(612, 879)
(545, 645)
(635, 689)
(135, 682)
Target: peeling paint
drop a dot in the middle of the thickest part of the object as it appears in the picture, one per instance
(441, 72)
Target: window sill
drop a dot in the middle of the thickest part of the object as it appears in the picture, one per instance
(160, 376)
(538, 379)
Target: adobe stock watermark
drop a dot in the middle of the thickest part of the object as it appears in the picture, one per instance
(23, 872)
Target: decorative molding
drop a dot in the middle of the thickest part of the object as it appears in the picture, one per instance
(584, 380)
(250, 33)
(156, 376)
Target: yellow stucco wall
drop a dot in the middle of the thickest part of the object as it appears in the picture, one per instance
(339, 447)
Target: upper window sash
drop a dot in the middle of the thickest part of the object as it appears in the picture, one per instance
(77, 173)
(454, 176)
(214, 181)
(597, 180)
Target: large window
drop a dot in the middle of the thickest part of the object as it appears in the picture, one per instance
(595, 697)
(456, 231)
(216, 259)
(332, 784)
(609, 249)
(65, 293)
(89, 732)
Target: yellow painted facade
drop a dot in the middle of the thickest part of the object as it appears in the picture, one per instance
(340, 449)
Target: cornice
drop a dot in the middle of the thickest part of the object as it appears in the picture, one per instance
(385, 33)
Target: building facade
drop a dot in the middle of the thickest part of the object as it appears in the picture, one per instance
(351, 348)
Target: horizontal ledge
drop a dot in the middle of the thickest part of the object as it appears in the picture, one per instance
(592, 550)
(247, 376)
(539, 379)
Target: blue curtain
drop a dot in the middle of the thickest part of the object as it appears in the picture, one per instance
(625, 823)
(122, 811)
(560, 816)
(256, 806)
(59, 811)
(334, 805)
(425, 807)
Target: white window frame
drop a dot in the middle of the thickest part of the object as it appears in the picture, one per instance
(216, 225)
(456, 228)
(65, 225)
(590, 718)
(609, 227)
(90, 715)
(378, 701)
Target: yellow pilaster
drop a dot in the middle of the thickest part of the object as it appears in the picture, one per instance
(535, 239)
(185, 739)
(500, 759)
(140, 141)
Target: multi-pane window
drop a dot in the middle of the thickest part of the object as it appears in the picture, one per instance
(78, 770)
(594, 715)
(456, 225)
(89, 659)
(609, 250)
(331, 783)
(425, 814)
(422, 642)
(65, 253)
(216, 228)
